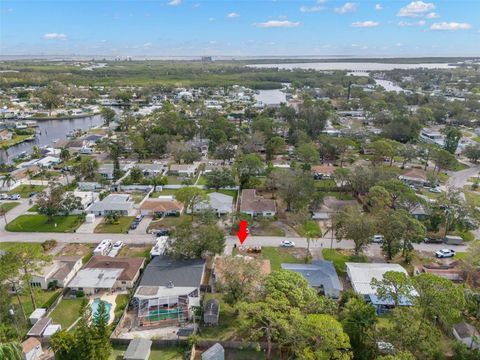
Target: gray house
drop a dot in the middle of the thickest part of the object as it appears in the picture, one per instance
(215, 352)
(138, 349)
(112, 203)
(321, 276)
(211, 312)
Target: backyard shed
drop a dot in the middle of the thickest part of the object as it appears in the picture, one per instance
(138, 349)
(215, 352)
(211, 312)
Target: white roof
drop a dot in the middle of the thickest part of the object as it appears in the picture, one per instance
(51, 329)
(95, 278)
(38, 313)
(217, 201)
(361, 275)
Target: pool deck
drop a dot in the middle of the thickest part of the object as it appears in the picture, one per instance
(110, 299)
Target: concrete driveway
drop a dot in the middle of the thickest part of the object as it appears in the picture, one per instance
(142, 227)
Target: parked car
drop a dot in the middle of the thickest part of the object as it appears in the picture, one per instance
(14, 197)
(378, 239)
(435, 190)
(118, 245)
(3, 197)
(432, 240)
(287, 243)
(445, 253)
(133, 225)
(139, 218)
(32, 194)
(161, 232)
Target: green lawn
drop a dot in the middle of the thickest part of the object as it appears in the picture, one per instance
(325, 185)
(266, 229)
(174, 353)
(34, 208)
(175, 180)
(227, 324)
(66, 312)
(8, 205)
(38, 223)
(339, 259)
(120, 227)
(16, 139)
(169, 221)
(121, 302)
(137, 196)
(44, 299)
(278, 255)
(202, 180)
(25, 190)
(5, 246)
(164, 192)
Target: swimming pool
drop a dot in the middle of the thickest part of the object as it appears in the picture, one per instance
(96, 303)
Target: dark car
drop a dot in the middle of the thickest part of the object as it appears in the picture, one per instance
(432, 240)
(134, 225)
(32, 194)
(162, 232)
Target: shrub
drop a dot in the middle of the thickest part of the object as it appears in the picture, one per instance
(49, 245)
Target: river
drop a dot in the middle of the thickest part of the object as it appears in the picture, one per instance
(353, 66)
(48, 131)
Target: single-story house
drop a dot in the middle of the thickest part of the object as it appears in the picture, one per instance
(59, 272)
(361, 276)
(220, 203)
(93, 281)
(414, 176)
(168, 290)
(138, 349)
(186, 170)
(43, 329)
(450, 272)
(467, 334)
(419, 212)
(31, 349)
(161, 206)
(114, 202)
(48, 161)
(87, 198)
(106, 170)
(254, 205)
(323, 171)
(215, 352)
(130, 269)
(5, 135)
(153, 169)
(321, 276)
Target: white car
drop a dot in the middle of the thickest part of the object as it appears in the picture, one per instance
(378, 239)
(14, 197)
(3, 197)
(435, 190)
(445, 253)
(287, 243)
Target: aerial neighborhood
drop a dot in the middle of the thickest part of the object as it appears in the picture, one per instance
(241, 213)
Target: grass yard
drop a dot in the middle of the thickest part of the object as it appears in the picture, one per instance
(202, 180)
(136, 251)
(44, 299)
(169, 221)
(266, 228)
(137, 196)
(25, 190)
(164, 192)
(66, 312)
(174, 353)
(38, 223)
(121, 301)
(325, 185)
(8, 206)
(278, 255)
(34, 208)
(227, 324)
(122, 226)
(5, 246)
(175, 180)
(340, 257)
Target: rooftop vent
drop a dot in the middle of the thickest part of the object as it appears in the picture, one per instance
(170, 285)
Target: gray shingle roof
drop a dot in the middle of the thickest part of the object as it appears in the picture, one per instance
(183, 273)
(317, 273)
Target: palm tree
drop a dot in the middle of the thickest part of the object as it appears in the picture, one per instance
(7, 180)
(11, 351)
(29, 174)
(64, 154)
(312, 231)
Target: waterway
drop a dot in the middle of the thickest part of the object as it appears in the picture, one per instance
(353, 66)
(49, 131)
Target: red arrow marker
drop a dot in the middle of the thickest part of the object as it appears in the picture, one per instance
(242, 232)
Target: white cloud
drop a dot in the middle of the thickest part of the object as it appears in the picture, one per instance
(277, 24)
(410, 23)
(451, 26)
(416, 9)
(147, 45)
(432, 15)
(346, 8)
(365, 24)
(378, 7)
(174, 2)
(54, 36)
(311, 9)
(233, 15)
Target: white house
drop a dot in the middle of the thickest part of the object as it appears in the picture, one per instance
(220, 203)
(186, 170)
(112, 203)
(31, 349)
(59, 272)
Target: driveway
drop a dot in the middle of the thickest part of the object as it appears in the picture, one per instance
(89, 228)
(142, 227)
(460, 178)
(16, 211)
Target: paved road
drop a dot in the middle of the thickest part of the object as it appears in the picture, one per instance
(460, 178)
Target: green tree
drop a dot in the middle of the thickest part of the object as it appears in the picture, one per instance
(382, 149)
(190, 197)
(11, 351)
(87, 168)
(63, 344)
(108, 115)
(49, 203)
(136, 175)
(64, 154)
(101, 333)
(395, 286)
(296, 187)
(359, 319)
(352, 224)
(452, 138)
(311, 230)
(10, 267)
(442, 159)
(248, 167)
(219, 178)
(307, 153)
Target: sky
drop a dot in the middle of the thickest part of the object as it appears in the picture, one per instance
(240, 28)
